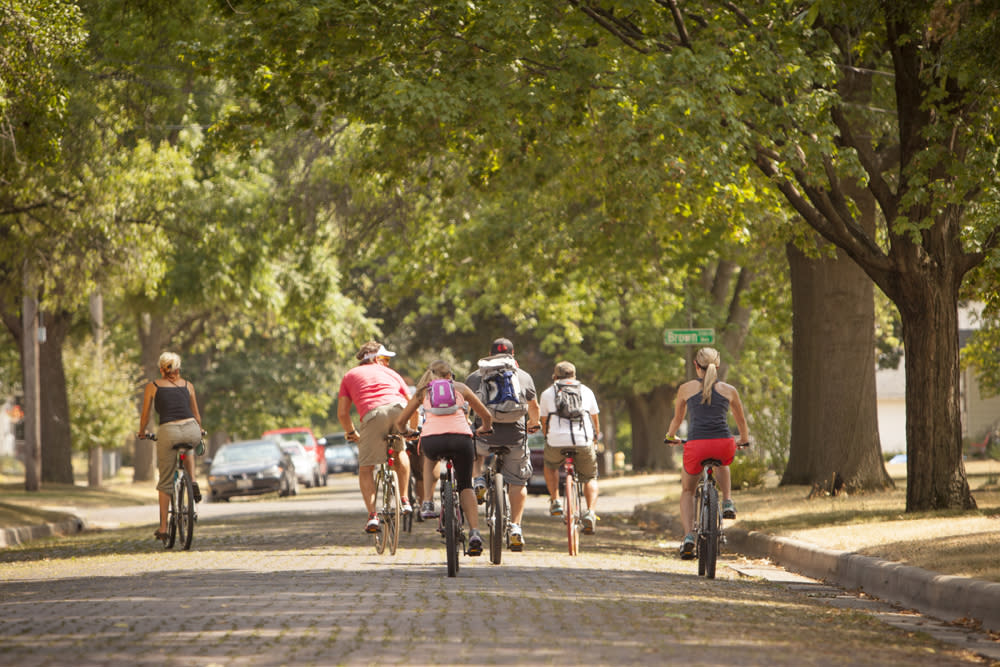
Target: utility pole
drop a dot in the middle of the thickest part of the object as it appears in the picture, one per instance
(32, 393)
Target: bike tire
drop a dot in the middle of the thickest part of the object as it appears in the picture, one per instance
(393, 511)
(572, 516)
(450, 525)
(380, 502)
(713, 534)
(172, 518)
(185, 512)
(496, 519)
(407, 525)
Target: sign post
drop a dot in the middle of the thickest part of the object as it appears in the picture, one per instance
(689, 336)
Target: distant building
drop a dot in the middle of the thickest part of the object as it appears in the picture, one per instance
(979, 413)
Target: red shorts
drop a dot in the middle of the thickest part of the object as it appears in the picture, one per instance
(696, 451)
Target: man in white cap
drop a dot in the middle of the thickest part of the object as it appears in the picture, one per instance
(380, 394)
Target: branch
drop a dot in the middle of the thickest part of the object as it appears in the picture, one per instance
(869, 161)
(606, 20)
(807, 203)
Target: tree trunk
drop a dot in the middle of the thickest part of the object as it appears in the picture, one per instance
(150, 329)
(57, 440)
(834, 405)
(935, 471)
(650, 414)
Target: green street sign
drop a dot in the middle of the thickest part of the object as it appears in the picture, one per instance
(689, 336)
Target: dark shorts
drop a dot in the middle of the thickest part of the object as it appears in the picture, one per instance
(456, 446)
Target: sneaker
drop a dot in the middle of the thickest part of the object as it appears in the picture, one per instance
(516, 538)
(479, 484)
(196, 492)
(372, 525)
(405, 507)
(687, 548)
(589, 522)
(555, 507)
(728, 509)
(427, 510)
(475, 543)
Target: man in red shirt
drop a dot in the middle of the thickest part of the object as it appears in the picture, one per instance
(380, 394)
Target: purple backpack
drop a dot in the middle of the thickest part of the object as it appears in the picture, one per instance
(442, 397)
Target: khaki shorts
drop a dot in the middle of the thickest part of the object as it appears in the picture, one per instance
(166, 458)
(516, 463)
(375, 425)
(585, 460)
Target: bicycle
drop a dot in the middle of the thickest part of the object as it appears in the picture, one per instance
(181, 515)
(414, 484)
(709, 535)
(497, 503)
(451, 521)
(574, 495)
(388, 505)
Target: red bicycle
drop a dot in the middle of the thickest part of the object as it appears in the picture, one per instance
(573, 493)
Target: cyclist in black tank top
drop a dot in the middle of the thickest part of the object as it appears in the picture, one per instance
(707, 402)
(179, 421)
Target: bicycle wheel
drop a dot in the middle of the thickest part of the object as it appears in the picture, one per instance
(572, 515)
(380, 504)
(449, 516)
(708, 538)
(393, 509)
(497, 513)
(172, 516)
(408, 518)
(185, 512)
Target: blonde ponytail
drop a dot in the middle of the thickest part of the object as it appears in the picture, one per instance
(708, 360)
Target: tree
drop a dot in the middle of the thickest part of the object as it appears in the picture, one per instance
(427, 110)
(788, 87)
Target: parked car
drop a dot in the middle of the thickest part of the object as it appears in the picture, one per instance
(335, 439)
(251, 467)
(536, 485)
(305, 464)
(304, 436)
(342, 458)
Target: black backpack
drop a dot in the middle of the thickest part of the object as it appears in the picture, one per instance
(569, 404)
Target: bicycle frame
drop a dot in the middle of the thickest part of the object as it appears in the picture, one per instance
(708, 520)
(181, 515)
(573, 493)
(451, 522)
(497, 504)
(387, 500)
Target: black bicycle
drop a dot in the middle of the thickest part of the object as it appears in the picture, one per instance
(451, 521)
(414, 487)
(182, 514)
(497, 503)
(709, 536)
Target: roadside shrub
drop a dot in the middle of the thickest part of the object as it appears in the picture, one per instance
(747, 472)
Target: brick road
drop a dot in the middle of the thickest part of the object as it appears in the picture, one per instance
(307, 588)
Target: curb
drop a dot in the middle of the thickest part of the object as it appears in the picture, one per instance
(946, 597)
(10, 537)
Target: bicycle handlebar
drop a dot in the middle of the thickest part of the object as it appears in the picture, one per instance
(678, 441)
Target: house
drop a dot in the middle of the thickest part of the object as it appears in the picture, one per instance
(980, 413)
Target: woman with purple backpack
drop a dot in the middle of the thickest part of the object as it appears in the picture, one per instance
(446, 434)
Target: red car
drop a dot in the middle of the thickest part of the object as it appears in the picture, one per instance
(304, 436)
